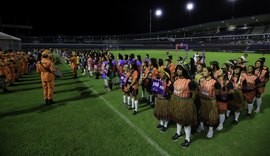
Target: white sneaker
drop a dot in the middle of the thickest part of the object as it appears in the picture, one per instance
(220, 127)
(210, 134)
(257, 110)
(200, 129)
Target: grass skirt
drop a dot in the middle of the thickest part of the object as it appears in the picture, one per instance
(183, 111)
(209, 112)
(162, 108)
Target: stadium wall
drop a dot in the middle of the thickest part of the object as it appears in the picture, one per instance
(195, 47)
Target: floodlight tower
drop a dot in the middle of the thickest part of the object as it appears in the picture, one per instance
(158, 14)
(150, 24)
(233, 3)
(189, 7)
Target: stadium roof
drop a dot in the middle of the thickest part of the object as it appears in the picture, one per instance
(250, 20)
(4, 36)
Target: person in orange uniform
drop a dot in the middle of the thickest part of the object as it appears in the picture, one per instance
(74, 65)
(5, 75)
(145, 81)
(152, 74)
(171, 67)
(133, 87)
(46, 68)
(11, 66)
(25, 63)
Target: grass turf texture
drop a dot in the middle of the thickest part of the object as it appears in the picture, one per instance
(82, 124)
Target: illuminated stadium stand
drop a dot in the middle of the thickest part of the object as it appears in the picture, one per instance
(239, 34)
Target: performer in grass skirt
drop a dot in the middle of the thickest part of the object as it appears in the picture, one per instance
(237, 102)
(208, 87)
(198, 76)
(223, 96)
(262, 72)
(163, 89)
(249, 88)
(182, 109)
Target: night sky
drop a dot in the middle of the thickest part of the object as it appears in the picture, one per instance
(127, 17)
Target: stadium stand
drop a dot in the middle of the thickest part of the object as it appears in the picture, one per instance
(239, 34)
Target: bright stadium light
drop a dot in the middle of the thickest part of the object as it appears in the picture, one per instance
(190, 6)
(158, 12)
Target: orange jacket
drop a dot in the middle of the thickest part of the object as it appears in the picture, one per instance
(73, 61)
(45, 74)
(5, 71)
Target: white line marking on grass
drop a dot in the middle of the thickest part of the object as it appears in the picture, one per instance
(122, 116)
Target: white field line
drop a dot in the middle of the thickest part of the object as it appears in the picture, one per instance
(122, 116)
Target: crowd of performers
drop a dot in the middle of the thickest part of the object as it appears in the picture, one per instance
(13, 65)
(188, 94)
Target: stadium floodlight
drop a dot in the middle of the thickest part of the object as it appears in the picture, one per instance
(190, 6)
(158, 12)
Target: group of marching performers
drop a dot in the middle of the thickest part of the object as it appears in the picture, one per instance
(188, 94)
(13, 65)
(191, 96)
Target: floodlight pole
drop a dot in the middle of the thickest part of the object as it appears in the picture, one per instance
(150, 24)
(233, 7)
(189, 17)
(158, 27)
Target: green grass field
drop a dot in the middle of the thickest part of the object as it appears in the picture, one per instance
(88, 120)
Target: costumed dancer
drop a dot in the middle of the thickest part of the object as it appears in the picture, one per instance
(249, 88)
(163, 88)
(183, 110)
(238, 100)
(208, 112)
(262, 72)
(223, 96)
